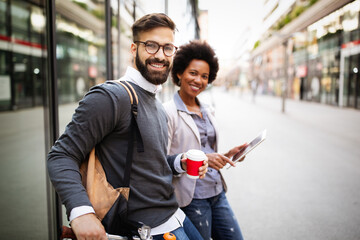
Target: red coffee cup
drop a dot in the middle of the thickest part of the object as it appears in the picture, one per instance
(194, 161)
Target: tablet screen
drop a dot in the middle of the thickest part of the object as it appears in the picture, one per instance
(239, 155)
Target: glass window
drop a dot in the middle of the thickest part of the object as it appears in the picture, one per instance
(22, 134)
(81, 53)
(3, 17)
(5, 83)
(20, 16)
(37, 20)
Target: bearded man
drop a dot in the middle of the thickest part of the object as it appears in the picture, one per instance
(103, 120)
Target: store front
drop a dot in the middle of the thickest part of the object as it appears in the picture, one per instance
(330, 58)
(349, 75)
(22, 55)
(323, 59)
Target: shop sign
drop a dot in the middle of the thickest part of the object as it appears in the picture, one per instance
(301, 71)
(350, 44)
(92, 72)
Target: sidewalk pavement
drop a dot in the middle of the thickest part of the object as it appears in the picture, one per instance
(303, 181)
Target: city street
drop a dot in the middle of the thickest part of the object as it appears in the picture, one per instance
(303, 181)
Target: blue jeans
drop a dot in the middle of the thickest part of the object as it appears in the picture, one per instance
(187, 232)
(214, 218)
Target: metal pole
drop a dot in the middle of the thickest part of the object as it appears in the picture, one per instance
(119, 42)
(52, 119)
(134, 10)
(166, 7)
(108, 23)
(285, 84)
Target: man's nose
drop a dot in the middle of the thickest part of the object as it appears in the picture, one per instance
(160, 53)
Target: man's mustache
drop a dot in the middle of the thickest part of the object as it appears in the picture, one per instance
(155, 60)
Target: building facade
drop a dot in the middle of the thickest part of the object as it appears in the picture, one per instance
(314, 57)
(51, 53)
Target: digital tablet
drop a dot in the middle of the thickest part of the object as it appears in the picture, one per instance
(256, 141)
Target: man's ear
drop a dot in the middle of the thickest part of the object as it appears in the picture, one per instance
(133, 49)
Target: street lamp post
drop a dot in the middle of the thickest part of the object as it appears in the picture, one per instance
(285, 38)
(285, 83)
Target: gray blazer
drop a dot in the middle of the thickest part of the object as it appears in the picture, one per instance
(184, 135)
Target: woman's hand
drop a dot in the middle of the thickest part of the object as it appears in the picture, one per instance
(234, 150)
(217, 161)
(202, 170)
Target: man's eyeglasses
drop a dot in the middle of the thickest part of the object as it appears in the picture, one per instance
(152, 47)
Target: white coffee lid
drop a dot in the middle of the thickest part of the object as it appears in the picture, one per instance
(196, 155)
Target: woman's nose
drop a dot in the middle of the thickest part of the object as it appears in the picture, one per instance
(197, 78)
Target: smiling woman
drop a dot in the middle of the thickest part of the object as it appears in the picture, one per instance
(203, 200)
(193, 81)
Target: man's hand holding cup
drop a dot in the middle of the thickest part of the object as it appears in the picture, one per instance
(195, 163)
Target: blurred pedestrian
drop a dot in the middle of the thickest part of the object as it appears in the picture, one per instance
(254, 86)
(103, 119)
(192, 125)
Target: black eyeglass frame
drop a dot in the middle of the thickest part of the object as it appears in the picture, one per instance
(159, 46)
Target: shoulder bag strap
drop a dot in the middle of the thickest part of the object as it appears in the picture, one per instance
(134, 131)
(134, 110)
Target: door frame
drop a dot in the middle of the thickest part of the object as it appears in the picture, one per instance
(347, 50)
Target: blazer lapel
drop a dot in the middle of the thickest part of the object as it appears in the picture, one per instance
(191, 123)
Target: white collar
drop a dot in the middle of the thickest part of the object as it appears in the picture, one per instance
(133, 75)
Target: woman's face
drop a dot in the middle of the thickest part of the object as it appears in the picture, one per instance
(194, 79)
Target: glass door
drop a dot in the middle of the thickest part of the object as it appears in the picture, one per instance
(353, 85)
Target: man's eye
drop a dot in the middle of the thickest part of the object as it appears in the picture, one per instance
(151, 45)
(168, 48)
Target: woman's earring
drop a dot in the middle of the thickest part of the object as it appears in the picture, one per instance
(179, 81)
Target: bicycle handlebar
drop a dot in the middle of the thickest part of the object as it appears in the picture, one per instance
(67, 232)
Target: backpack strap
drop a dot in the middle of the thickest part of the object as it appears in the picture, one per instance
(134, 130)
(134, 100)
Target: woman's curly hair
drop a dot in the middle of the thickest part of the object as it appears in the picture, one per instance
(194, 50)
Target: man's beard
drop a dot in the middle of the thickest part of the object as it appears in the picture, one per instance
(153, 77)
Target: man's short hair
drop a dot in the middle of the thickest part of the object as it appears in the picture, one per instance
(149, 22)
